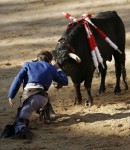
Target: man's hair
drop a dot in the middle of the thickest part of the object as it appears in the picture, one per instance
(44, 56)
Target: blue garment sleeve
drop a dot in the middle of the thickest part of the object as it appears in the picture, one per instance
(60, 77)
(18, 80)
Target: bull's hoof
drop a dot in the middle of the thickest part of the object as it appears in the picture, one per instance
(78, 100)
(126, 87)
(78, 103)
(117, 91)
(89, 104)
(102, 89)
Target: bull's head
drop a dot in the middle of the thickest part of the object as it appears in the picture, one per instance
(64, 53)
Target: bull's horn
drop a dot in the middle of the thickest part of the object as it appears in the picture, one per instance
(75, 57)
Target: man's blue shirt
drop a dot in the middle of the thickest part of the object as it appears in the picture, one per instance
(37, 72)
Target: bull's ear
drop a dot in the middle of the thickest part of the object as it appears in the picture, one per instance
(75, 57)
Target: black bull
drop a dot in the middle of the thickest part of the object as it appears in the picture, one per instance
(74, 40)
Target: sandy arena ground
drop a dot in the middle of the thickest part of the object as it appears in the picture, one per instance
(28, 26)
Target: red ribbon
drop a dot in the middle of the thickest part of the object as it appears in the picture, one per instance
(91, 39)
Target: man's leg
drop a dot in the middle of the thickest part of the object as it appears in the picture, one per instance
(34, 103)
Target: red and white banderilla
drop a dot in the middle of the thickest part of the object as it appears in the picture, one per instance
(96, 56)
(68, 16)
(103, 35)
(92, 45)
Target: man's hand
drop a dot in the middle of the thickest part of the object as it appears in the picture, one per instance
(10, 103)
(54, 63)
(58, 86)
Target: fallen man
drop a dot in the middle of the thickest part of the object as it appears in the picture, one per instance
(36, 77)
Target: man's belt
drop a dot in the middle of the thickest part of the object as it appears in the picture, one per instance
(32, 91)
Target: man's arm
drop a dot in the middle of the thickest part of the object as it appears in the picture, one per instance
(16, 85)
(60, 76)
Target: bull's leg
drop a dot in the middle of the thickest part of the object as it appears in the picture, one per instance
(124, 76)
(118, 75)
(89, 101)
(120, 69)
(87, 85)
(78, 98)
(103, 71)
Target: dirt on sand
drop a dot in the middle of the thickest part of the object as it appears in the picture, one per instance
(29, 26)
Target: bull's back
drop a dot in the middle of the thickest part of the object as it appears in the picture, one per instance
(105, 15)
(111, 24)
